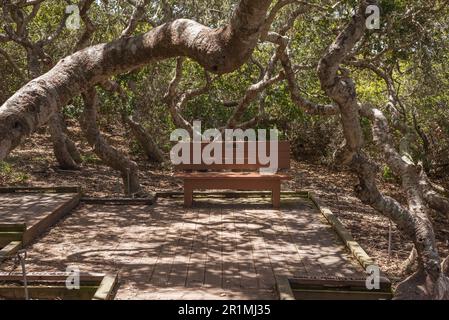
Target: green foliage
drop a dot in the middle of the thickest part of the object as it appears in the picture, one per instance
(90, 158)
(5, 168)
(412, 43)
(9, 175)
(387, 174)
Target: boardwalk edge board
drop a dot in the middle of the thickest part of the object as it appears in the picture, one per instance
(120, 201)
(63, 189)
(9, 250)
(50, 220)
(14, 236)
(330, 288)
(283, 288)
(107, 287)
(11, 235)
(357, 251)
(99, 286)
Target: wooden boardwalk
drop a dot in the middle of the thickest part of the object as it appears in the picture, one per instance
(219, 249)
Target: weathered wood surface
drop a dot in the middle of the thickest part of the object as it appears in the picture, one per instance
(106, 288)
(68, 189)
(51, 286)
(10, 249)
(284, 289)
(37, 211)
(225, 248)
(359, 253)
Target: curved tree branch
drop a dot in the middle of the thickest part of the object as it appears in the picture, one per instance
(217, 50)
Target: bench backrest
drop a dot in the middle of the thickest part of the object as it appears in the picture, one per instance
(238, 162)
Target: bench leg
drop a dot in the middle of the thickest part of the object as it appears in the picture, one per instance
(276, 196)
(188, 195)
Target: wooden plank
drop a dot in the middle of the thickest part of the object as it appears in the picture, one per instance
(276, 196)
(283, 145)
(213, 272)
(283, 288)
(232, 176)
(106, 289)
(198, 256)
(53, 276)
(17, 227)
(244, 248)
(340, 295)
(161, 271)
(60, 189)
(47, 292)
(7, 237)
(260, 256)
(233, 194)
(329, 289)
(241, 161)
(10, 249)
(362, 257)
(337, 283)
(37, 229)
(180, 265)
(231, 269)
(188, 194)
(119, 201)
(282, 164)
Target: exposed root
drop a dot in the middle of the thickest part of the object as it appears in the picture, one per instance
(421, 286)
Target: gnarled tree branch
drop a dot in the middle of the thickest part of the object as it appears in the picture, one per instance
(217, 50)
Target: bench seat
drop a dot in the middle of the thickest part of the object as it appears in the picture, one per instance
(232, 175)
(232, 180)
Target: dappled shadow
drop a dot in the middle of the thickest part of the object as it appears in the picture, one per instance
(30, 208)
(222, 248)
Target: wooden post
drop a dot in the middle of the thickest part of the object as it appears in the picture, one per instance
(283, 288)
(276, 195)
(188, 194)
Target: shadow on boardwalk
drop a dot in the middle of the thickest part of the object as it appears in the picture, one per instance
(219, 249)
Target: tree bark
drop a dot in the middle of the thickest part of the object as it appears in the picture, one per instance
(218, 50)
(149, 146)
(64, 148)
(128, 169)
(434, 199)
(176, 101)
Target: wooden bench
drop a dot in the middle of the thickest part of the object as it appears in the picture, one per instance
(241, 175)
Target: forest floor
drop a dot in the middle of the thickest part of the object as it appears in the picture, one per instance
(33, 164)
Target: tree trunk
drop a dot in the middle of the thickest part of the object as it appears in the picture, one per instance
(128, 169)
(64, 149)
(149, 146)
